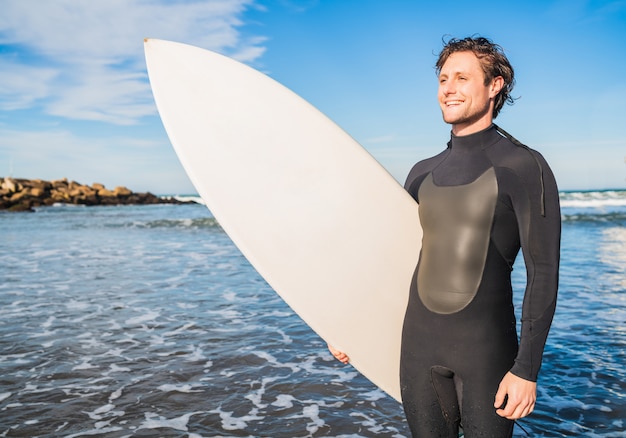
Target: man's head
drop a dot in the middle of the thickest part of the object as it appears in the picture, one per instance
(493, 61)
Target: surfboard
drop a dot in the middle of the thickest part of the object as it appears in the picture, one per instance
(328, 228)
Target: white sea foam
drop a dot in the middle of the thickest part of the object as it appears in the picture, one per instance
(275, 362)
(115, 394)
(284, 401)
(149, 316)
(76, 305)
(116, 369)
(256, 397)
(155, 421)
(84, 365)
(115, 352)
(341, 374)
(374, 395)
(229, 296)
(179, 330)
(97, 413)
(368, 422)
(196, 355)
(46, 253)
(48, 322)
(95, 432)
(313, 413)
(185, 388)
(230, 422)
(90, 343)
(44, 334)
(61, 427)
(186, 306)
(227, 314)
(286, 338)
(187, 198)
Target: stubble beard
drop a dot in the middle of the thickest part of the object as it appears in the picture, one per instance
(467, 117)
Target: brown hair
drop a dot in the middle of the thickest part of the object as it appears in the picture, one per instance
(492, 59)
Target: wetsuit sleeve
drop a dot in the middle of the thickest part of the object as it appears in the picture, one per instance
(536, 204)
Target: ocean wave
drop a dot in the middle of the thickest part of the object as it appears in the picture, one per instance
(203, 222)
(593, 199)
(617, 218)
(185, 198)
(602, 207)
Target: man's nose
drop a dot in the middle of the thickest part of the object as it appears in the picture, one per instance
(448, 87)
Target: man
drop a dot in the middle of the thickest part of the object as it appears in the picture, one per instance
(481, 199)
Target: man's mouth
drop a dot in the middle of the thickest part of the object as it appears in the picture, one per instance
(453, 102)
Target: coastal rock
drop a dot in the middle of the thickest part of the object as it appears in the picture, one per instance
(105, 193)
(25, 195)
(10, 185)
(121, 191)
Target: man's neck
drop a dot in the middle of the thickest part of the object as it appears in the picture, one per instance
(461, 130)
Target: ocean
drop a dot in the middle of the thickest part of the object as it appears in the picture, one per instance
(146, 321)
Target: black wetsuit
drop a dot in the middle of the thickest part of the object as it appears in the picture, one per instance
(480, 200)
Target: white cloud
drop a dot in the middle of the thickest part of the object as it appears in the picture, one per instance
(96, 94)
(22, 86)
(86, 56)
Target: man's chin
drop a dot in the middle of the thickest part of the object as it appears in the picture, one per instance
(453, 120)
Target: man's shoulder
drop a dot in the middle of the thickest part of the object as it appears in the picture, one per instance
(510, 152)
(528, 164)
(424, 166)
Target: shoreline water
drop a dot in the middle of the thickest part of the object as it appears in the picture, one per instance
(132, 321)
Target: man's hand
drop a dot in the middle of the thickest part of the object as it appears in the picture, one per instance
(520, 395)
(339, 355)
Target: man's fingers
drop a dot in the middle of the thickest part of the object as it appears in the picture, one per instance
(500, 400)
(515, 397)
(515, 411)
(340, 356)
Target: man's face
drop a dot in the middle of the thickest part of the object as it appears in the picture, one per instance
(466, 102)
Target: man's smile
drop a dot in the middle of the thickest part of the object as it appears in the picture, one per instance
(453, 102)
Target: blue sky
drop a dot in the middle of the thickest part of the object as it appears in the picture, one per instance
(75, 100)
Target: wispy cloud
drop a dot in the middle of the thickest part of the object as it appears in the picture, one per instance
(22, 86)
(381, 139)
(85, 57)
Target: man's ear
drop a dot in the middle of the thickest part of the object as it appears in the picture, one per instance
(496, 85)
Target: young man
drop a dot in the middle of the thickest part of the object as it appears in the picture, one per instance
(481, 199)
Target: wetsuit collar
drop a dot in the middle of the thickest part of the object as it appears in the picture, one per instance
(480, 139)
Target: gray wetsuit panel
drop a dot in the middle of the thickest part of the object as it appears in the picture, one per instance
(457, 224)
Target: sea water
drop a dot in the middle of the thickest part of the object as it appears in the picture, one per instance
(146, 321)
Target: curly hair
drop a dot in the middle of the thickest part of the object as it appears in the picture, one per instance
(493, 61)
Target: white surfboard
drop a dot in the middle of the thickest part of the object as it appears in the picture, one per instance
(326, 226)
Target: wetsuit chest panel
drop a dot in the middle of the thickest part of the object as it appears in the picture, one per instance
(457, 224)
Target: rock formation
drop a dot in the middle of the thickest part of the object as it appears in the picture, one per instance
(26, 194)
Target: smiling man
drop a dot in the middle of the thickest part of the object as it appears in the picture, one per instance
(481, 200)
